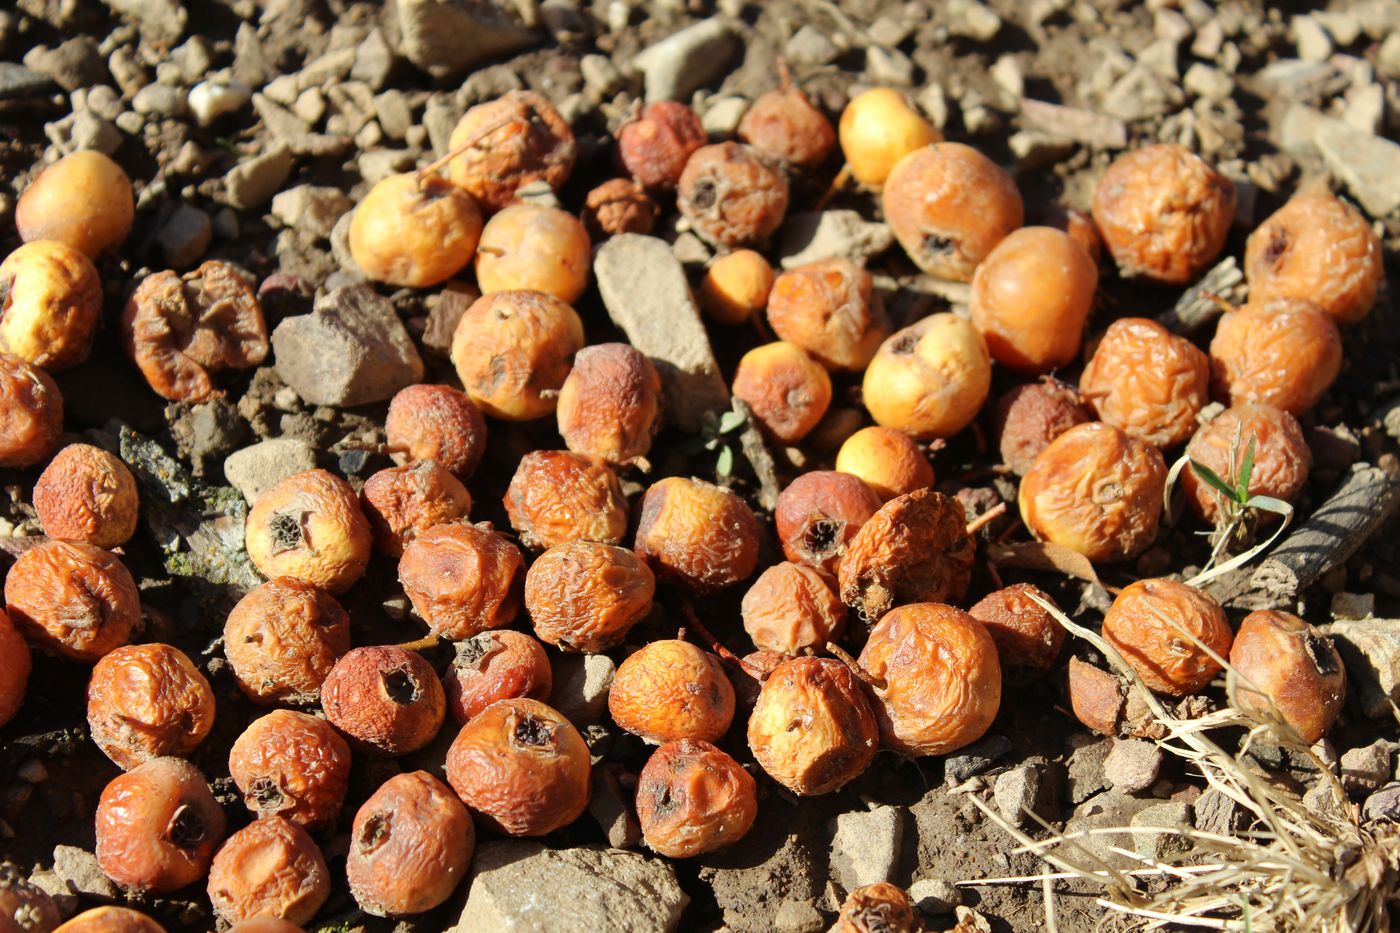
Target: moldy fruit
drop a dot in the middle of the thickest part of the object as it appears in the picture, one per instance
(385, 699)
(788, 391)
(692, 798)
(732, 195)
(830, 309)
(531, 143)
(72, 599)
(15, 665)
(557, 496)
(670, 690)
(283, 638)
(24, 907)
(1157, 624)
(929, 379)
(512, 351)
(413, 230)
(292, 765)
(790, 608)
(158, 826)
(147, 701)
(696, 534)
(87, 494)
(878, 908)
(619, 205)
(437, 422)
(83, 200)
(110, 919)
(309, 526)
(1281, 661)
(610, 404)
(784, 124)
(50, 303)
(586, 596)
(1147, 381)
(886, 460)
(462, 579)
(819, 513)
(493, 666)
(271, 866)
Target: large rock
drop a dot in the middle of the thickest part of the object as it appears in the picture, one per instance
(646, 293)
(1367, 164)
(685, 61)
(1370, 648)
(352, 349)
(255, 469)
(252, 182)
(446, 38)
(523, 887)
(865, 846)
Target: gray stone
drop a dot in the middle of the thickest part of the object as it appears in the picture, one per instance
(972, 19)
(1140, 95)
(392, 111)
(1132, 765)
(252, 182)
(158, 19)
(160, 99)
(1365, 108)
(1214, 812)
(935, 897)
(1172, 815)
(103, 100)
(1353, 605)
(185, 236)
(889, 66)
(1169, 24)
(1384, 804)
(89, 131)
(312, 209)
(440, 117)
(1109, 810)
(282, 123)
(1010, 80)
(1370, 649)
(1368, 164)
(798, 916)
(812, 236)
(210, 100)
(50, 883)
(79, 868)
(600, 76)
(332, 67)
(255, 469)
(19, 81)
(1035, 150)
(890, 31)
(1295, 79)
(933, 101)
(613, 812)
(250, 64)
(581, 684)
(865, 846)
(193, 59)
(810, 46)
(374, 60)
(1023, 790)
(1388, 58)
(446, 39)
(686, 61)
(1084, 773)
(352, 349)
(975, 759)
(1365, 769)
(646, 293)
(1081, 126)
(74, 64)
(381, 163)
(722, 115)
(523, 887)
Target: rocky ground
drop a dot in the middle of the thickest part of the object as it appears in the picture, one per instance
(251, 127)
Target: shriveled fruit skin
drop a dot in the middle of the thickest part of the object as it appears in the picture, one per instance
(877, 908)
(1147, 381)
(888, 461)
(1097, 491)
(1096, 697)
(462, 579)
(1030, 416)
(655, 145)
(786, 389)
(410, 845)
(522, 767)
(1282, 458)
(914, 549)
(15, 665)
(403, 502)
(292, 765)
(610, 404)
(839, 734)
(819, 513)
(24, 907)
(732, 195)
(440, 423)
(72, 599)
(696, 534)
(619, 205)
(495, 666)
(1164, 213)
(534, 144)
(1156, 625)
(31, 413)
(671, 690)
(1027, 637)
(513, 350)
(557, 496)
(51, 304)
(930, 379)
(309, 526)
(181, 329)
(87, 494)
(948, 206)
(1320, 248)
(385, 699)
(1281, 661)
(785, 125)
(693, 798)
(830, 309)
(941, 675)
(283, 638)
(84, 200)
(1285, 352)
(791, 607)
(413, 231)
(147, 701)
(157, 826)
(586, 596)
(110, 919)
(270, 866)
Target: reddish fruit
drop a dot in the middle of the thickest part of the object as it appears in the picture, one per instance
(1027, 637)
(930, 379)
(1096, 696)
(270, 866)
(533, 247)
(655, 145)
(610, 404)
(439, 423)
(692, 798)
(310, 527)
(414, 231)
(31, 413)
(787, 390)
(1147, 381)
(110, 920)
(790, 608)
(732, 195)
(403, 502)
(87, 494)
(1030, 416)
(15, 665)
(619, 205)
(294, 766)
(1282, 459)
(384, 699)
(557, 496)
(24, 908)
(462, 579)
(148, 701)
(1284, 353)
(72, 599)
(886, 460)
(819, 513)
(586, 596)
(1171, 634)
(495, 666)
(671, 690)
(158, 826)
(1282, 663)
(50, 303)
(784, 124)
(696, 534)
(830, 309)
(283, 638)
(512, 351)
(530, 142)
(83, 200)
(736, 286)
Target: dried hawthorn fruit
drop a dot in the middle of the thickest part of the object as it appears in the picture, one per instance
(283, 638)
(830, 309)
(309, 526)
(813, 728)
(1164, 213)
(1285, 352)
(1096, 697)
(50, 303)
(410, 845)
(819, 513)
(439, 423)
(1030, 416)
(414, 230)
(513, 350)
(1279, 661)
(264, 924)
(385, 699)
(557, 496)
(271, 866)
(1319, 248)
(1160, 628)
(929, 379)
(941, 678)
(878, 128)
(784, 124)
(877, 908)
(886, 460)
(181, 329)
(24, 908)
(790, 608)
(948, 206)
(462, 579)
(1027, 637)
(531, 142)
(158, 826)
(915, 549)
(732, 195)
(670, 690)
(610, 404)
(586, 596)
(735, 287)
(533, 247)
(788, 391)
(522, 767)
(1031, 297)
(696, 534)
(1282, 459)
(619, 205)
(1079, 226)
(1147, 381)
(403, 502)
(655, 145)
(110, 919)
(84, 200)
(15, 665)
(291, 765)
(692, 798)
(1097, 491)
(87, 494)
(72, 599)
(31, 413)
(148, 701)
(495, 666)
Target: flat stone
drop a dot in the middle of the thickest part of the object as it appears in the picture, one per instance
(1388, 58)
(257, 468)
(80, 869)
(581, 684)
(374, 60)
(646, 293)
(381, 163)
(158, 19)
(812, 236)
(1023, 790)
(185, 236)
(1369, 165)
(974, 20)
(865, 846)
(312, 209)
(1365, 108)
(722, 115)
(523, 887)
(1081, 126)
(1353, 605)
(350, 350)
(1312, 41)
(252, 182)
(446, 39)
(1214, 812)
(161, 100)
(686, 61)
(797, 916)
(1132, 765)
(1141, 94)
(1370, 649)
(1209, 83)
(73, 65)
(889, 66)
(935, 897)
(250, 64)
(1366, 768)
(1295, 79)
(281, 122)
(975, 759)
(1384, 804)
(18, 81)
(810, 46)
(392, 111)
(1171, 815)
(1084, 770)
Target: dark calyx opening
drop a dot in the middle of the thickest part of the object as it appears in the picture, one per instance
(374, 832)
(187, 828)
(266, 794)
(704, 197)
(400, 686)
(533, 732)
(821, 537)
(286, 531)
(935, 244)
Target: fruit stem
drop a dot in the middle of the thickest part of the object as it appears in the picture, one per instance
(1220, 301)
(837, 183)
(714, 643)
(470, 142)
(986, 518)
(844, 656)
(426, 643)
